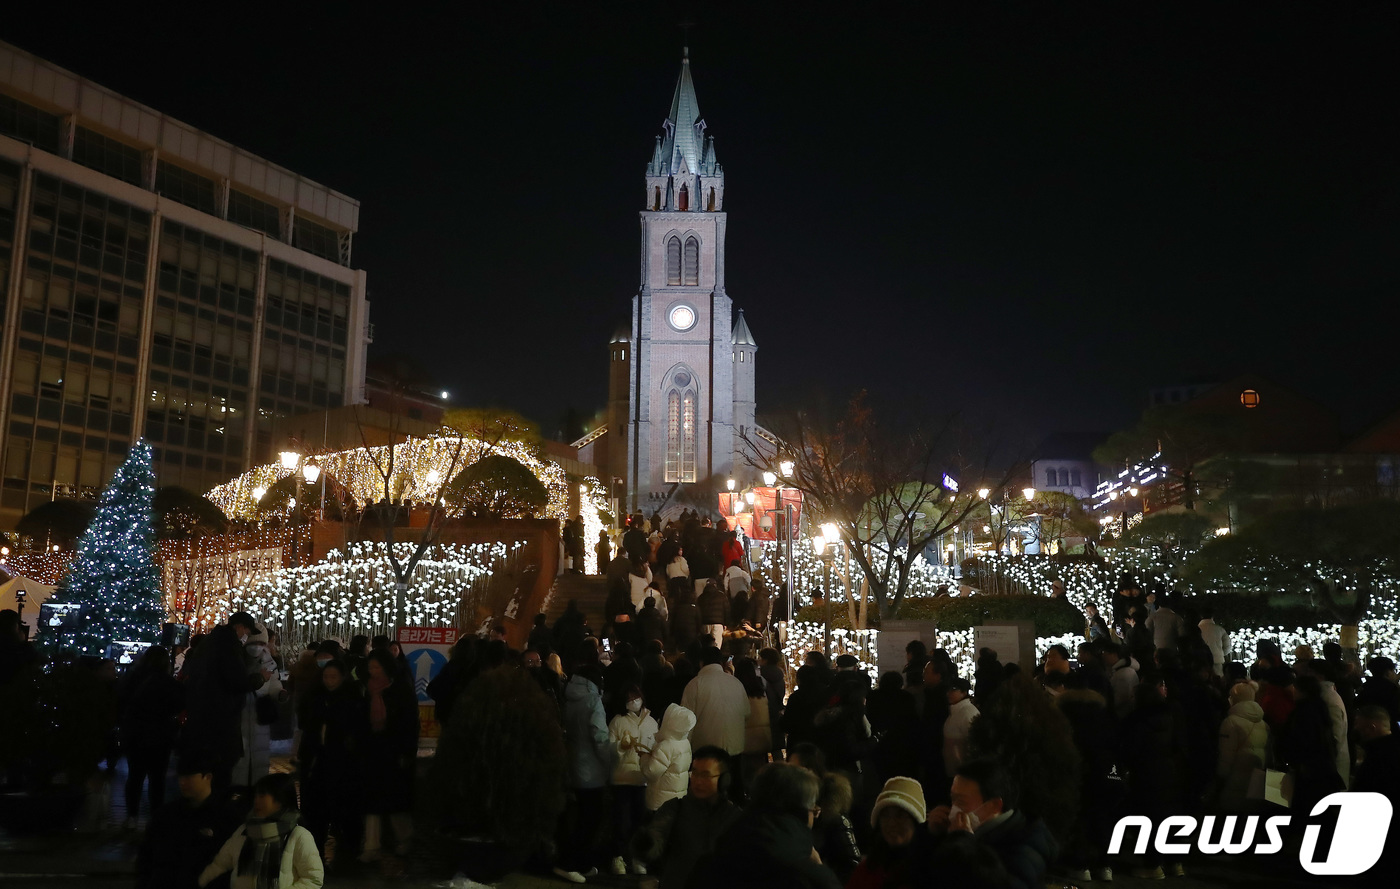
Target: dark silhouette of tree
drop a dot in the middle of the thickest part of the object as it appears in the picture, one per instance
(498, 487)
(181, 514)
(59, 522)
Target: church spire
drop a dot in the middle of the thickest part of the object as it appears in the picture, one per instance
(740, 335)
(685, 128)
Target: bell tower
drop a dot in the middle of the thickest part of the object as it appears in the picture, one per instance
(681, 398)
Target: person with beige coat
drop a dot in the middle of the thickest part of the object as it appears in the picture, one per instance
(1244, 742)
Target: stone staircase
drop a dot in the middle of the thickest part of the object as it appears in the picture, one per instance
(589, 590)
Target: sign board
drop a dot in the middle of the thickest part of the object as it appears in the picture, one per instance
(895, 635)
(1013, 641)
(196, 589)
(426, 649)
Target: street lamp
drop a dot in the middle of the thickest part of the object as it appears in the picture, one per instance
(770, 478)
(289, 459)
(749, 497)
(730, 485)
(984, 493)
(825, 546)
(1028, 493)
(786, 467)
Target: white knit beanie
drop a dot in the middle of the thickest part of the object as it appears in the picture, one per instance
(903, 793)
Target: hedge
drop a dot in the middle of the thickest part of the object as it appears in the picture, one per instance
(1057, 617)
(1052, 617)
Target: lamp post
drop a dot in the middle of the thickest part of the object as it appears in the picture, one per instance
(825, 546)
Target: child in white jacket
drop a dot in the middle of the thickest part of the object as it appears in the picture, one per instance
(633, 734)
(270, 843)
(667, 766)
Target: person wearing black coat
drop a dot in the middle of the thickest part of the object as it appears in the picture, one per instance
(689, 827)
(454, 677)
(330, 787)
(151, 701)
(540, 638)
(650, 626)
(894, 726)
(714, 606)
(388, 747)
(935, 776)
(684, 614)
(569, 631)
(183, 836)
(799, 716)
(217, 683)
(1091, 721)
(1309, 746)
(634, 542)
(771, 844)
(1380, 688)
(1152, 745)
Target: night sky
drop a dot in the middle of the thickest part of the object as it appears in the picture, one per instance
(1035, 214)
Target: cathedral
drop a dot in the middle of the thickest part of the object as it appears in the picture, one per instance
(681, 375)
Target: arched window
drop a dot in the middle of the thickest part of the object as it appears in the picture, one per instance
(1074, 477)
(673, 261)
(656, 202)
(1064, 478)
(692, 261)
(683, 199)
(1049, 478)
(712, 201)
(680, 429)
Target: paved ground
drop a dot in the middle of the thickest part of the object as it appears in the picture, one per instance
(104, 857)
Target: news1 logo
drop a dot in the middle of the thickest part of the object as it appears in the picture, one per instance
(1358, 837)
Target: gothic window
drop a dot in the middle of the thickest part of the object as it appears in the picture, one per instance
(683, 200)
(673, 261)
(680, 429)
(692, 261)
(1049, 478)
(656, 203)
(712, 201)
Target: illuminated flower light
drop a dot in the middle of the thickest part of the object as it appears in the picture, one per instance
(353, 591)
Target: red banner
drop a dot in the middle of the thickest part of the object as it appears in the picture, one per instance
(767, 502)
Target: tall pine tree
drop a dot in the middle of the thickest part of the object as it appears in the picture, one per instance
(114, 577)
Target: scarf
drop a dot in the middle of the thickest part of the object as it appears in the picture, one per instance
(378, 714)
(264, 841)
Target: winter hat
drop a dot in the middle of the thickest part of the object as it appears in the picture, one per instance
(847, 662)
(902, 793)
(1243, 691)
(960, 684)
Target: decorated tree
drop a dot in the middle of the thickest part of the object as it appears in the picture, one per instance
(114, 577)
(498, 487)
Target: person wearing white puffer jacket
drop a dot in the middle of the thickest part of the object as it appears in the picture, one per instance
(632, 732)
(667, 766)
(1244, 742)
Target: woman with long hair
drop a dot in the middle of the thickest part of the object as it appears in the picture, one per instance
(758, 730)
(388, 753)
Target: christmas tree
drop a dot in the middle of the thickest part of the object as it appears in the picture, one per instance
(114, 577)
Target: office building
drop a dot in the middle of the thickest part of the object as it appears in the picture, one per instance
(157, 281)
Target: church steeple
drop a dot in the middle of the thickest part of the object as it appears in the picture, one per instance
(683, 173)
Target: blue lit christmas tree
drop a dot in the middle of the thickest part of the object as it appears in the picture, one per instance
(114, 577)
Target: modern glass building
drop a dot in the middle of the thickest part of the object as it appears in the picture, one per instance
(157, 281)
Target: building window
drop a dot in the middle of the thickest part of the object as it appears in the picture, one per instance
(1049, 478)
(188, 188)
(683, 199)
(1249, 398)
(680, 430)
(712, 200)
(1074, 477)
(692, 261)
(656, 201)
(316, 239)
(106, 155)
(673, 261)
(249, 212)
(1064, 478)
(28, 124)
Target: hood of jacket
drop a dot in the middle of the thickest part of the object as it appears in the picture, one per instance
(676, 724)
(1248, 711)
(581, 688)
(836, 796)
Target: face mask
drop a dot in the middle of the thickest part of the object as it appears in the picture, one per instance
(634, 706)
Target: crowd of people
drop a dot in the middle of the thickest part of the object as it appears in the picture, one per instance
(697, 759)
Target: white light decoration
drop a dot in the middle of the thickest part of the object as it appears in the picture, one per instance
(353, 590)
